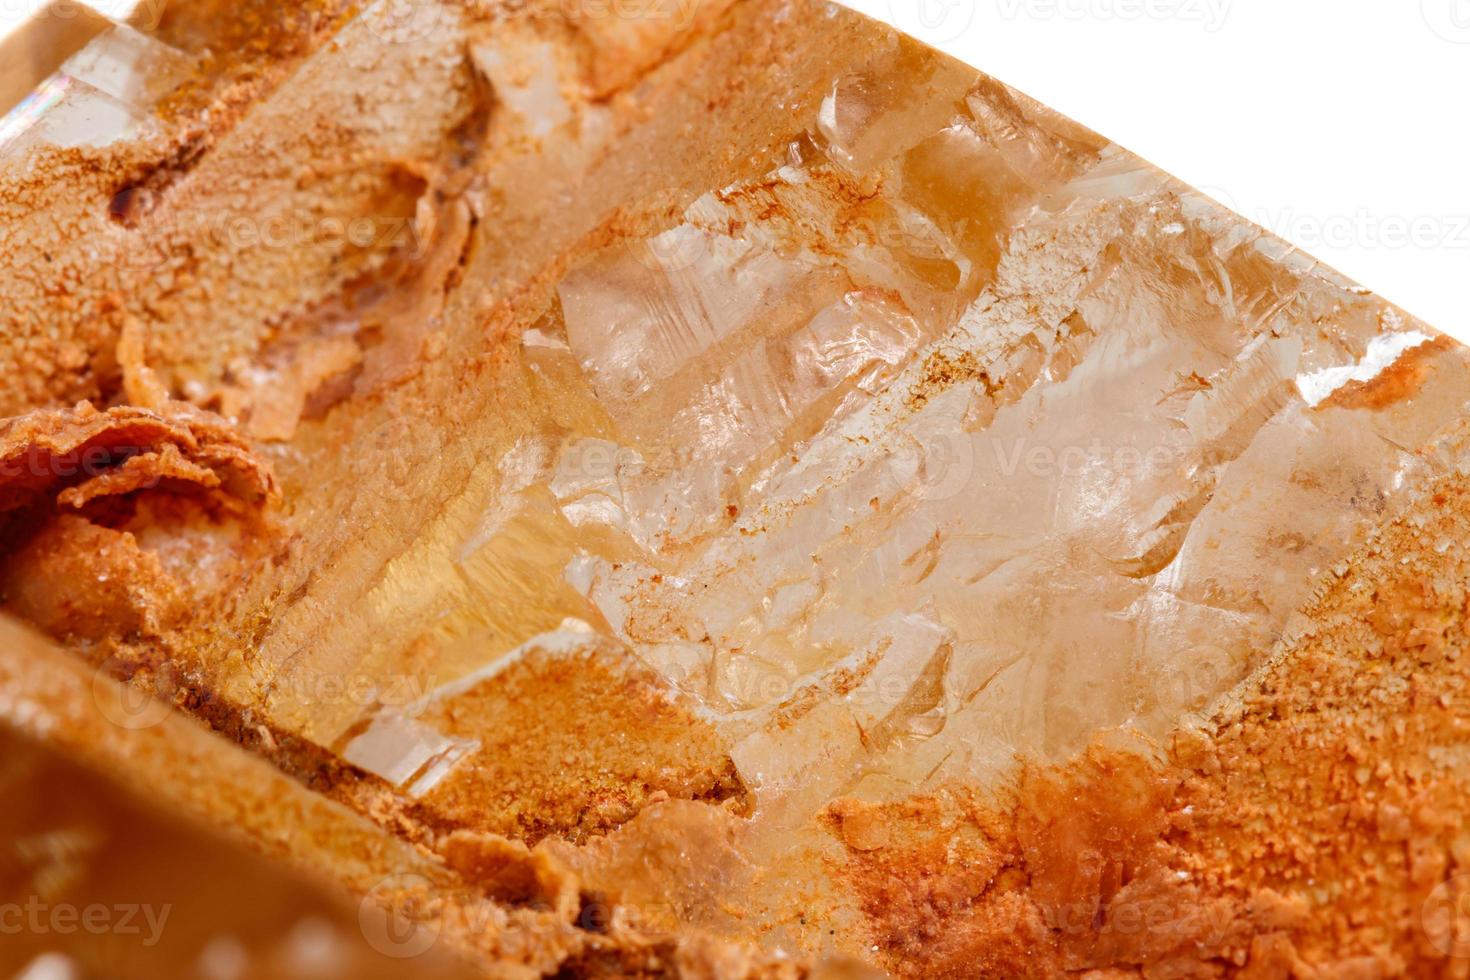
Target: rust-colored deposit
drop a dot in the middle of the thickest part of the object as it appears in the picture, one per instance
(117, 521)
(1316, 830)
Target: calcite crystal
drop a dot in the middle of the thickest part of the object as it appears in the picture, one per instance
(713, 490)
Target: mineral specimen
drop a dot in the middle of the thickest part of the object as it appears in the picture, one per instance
(719, 490)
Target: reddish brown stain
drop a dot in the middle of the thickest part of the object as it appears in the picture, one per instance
(1399, 381)
(1317, 833)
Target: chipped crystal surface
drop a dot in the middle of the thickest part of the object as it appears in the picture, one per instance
(964, 422)
(101, 94)
(692, 449)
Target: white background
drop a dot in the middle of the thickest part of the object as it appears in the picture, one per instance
(1341, 125)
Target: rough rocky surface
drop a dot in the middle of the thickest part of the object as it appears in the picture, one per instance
(720, 490)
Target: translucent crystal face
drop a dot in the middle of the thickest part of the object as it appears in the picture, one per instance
(959, 419)
(962, 435)
(101, 94)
